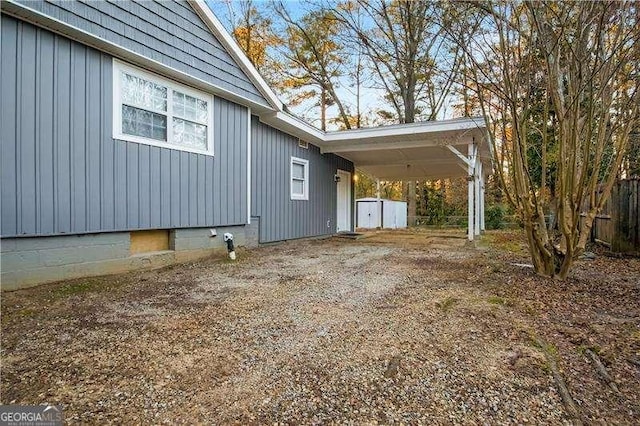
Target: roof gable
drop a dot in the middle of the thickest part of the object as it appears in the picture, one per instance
(179, 35)
(235, 51)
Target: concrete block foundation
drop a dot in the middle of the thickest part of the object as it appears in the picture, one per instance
(29, 261)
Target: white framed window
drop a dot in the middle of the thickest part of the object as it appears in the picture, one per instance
(299, 179)
(153, 110)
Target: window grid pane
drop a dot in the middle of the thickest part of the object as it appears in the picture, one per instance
(298, 187)
(147, 124)
(142, 93)
(186, 133)
(189, 107)
(297, 170)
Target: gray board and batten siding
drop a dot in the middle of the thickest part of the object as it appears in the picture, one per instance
(280, 217)
(169, 32)
(63, 173)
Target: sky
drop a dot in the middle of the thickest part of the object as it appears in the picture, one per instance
(371, 99)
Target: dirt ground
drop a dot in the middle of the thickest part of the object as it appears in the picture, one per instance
(403, 327)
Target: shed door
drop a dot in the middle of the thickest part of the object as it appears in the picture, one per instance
(366, 215)
(343, 221)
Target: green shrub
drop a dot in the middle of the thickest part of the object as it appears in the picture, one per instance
(494, 216)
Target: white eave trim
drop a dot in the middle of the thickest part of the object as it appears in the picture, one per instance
(201, 7)
(295, 127)
(421, 128)
(430, 133)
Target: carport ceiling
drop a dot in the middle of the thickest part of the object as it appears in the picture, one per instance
(412, 151)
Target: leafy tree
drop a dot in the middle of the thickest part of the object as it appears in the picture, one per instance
(314, 61)
(253, 30)
(631, 163)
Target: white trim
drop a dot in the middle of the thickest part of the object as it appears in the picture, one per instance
(451, 125)
(380, 145)
(461, 156)
(248, 166)
(202, 9)
(476, 182)
(417, 161)
(120, 67)
(472, 151)
(294, 126)
(349, 198)
(482, 224)
(378, 204)
(305, 186)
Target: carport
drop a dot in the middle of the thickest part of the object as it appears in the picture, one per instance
(422, 151)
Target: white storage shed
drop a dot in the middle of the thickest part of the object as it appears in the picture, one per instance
(369, 211)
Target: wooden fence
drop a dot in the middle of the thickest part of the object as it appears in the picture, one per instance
(618, 224)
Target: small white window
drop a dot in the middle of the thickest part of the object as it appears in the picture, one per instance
(299, 179)
(156, 111)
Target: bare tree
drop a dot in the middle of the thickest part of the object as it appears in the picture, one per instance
(406, 49)
(583, 58)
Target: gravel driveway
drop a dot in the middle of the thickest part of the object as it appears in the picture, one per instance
(400, 327)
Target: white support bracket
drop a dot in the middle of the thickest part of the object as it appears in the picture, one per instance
(467, 161)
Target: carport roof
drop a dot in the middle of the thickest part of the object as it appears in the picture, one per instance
(428, 150)
(416, 151)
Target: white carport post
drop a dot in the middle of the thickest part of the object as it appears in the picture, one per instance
(378, 204)
(476, 182)
(482, 226)
(470, 189)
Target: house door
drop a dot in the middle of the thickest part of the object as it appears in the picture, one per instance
(343, 221)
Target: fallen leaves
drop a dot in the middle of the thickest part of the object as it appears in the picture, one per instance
(401, 327)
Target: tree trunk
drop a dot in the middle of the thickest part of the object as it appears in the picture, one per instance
(358, 72)
(323, 110)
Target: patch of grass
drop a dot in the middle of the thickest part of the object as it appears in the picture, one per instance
(634, 337)
(529, 308)
(19, 314)
(502, 301)
(72, 289)
(583, 348)
(26, 312)
(242, 256)
(512, 247)
(104, 283)
(496, 268)
(509, 241)
(446, 304)
(496, 300)
(87, 285)
(547, 348)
